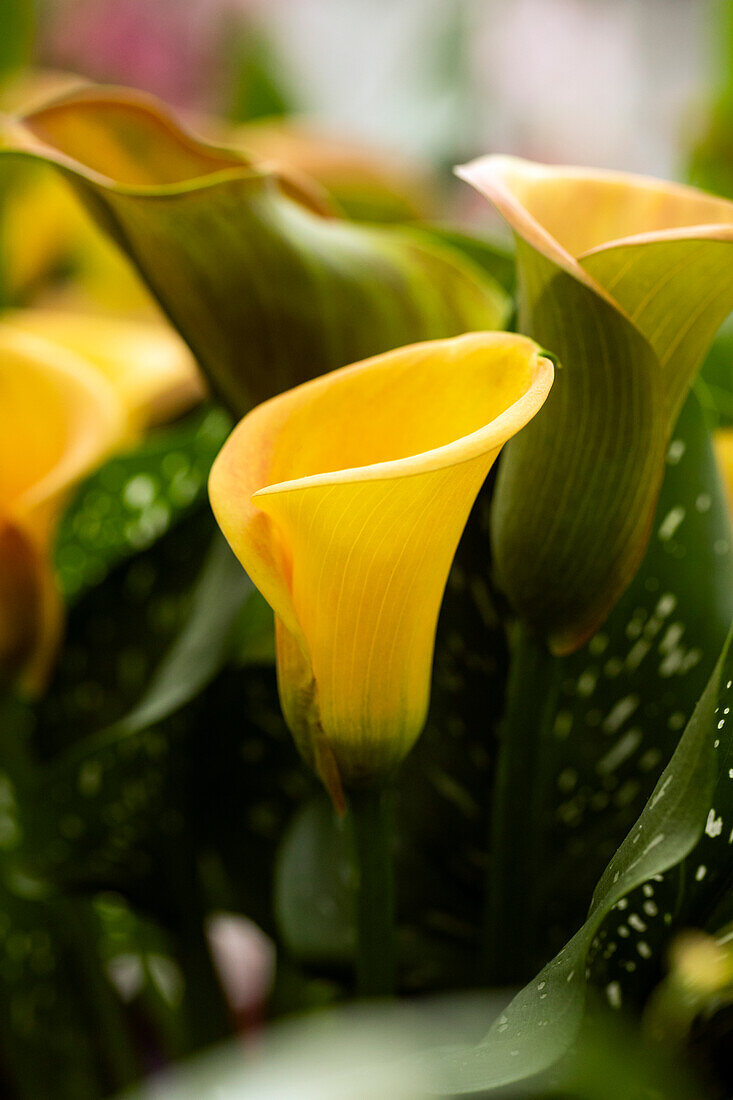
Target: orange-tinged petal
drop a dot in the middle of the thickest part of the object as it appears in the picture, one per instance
(345, 499)
(146, 362)
(58, 419)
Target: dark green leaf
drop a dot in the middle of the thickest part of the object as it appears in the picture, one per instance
(314, 887)
(671, 836)
(135, 498)
(115, 787)
(202, 647)
(625, 697)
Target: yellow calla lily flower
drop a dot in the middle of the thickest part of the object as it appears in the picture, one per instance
(73, 388)
(151, 369)
(58, 419)
(345, 499)
(657, 251)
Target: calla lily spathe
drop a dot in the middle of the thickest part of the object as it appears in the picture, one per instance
(345, 499)
(58, 419)
(240, 256)
(151, 369)
(73, 389)
(627, 279)
(45, 232)
(51, 248)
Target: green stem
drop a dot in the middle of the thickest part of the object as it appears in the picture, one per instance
(517, 808)
(371, 814)
(110, 1024)
(205, 1010)
(208, 1019)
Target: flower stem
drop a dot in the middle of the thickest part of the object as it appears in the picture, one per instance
(517, 810)
(205, 1014)
(371, 815)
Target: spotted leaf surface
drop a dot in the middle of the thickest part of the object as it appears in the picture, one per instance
(51, 984)
(117, 632)
(625, 698)
(51, 978)
(96, 809)
(623, 701)
(690, 809)
(136, 498)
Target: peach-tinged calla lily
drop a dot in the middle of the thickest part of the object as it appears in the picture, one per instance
(58, 419)
(147, 363)
(592, 223)
(344, 499)
(627, 279)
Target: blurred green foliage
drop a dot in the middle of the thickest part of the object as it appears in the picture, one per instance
(16, 39)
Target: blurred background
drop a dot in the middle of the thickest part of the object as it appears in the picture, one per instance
(615, 83)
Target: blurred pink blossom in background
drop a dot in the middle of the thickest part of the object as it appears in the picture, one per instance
(177, 49)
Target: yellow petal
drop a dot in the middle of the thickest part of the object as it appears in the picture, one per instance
(146, 362)
(58, 419)
(345, 499)
(40, 222)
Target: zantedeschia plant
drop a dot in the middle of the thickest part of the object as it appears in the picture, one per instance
(627, 279)
(488, 574)
(345, 499)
